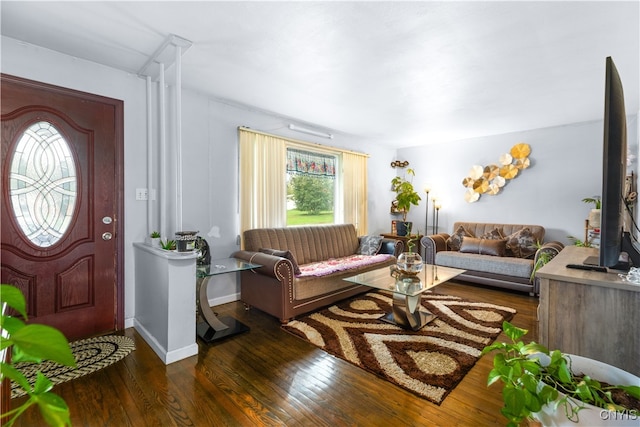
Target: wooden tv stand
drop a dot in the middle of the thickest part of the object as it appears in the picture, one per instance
(589, 313)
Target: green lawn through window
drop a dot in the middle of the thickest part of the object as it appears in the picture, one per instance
(295, 217)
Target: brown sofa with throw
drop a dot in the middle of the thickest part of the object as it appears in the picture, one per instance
(498, 255)
(303, 267)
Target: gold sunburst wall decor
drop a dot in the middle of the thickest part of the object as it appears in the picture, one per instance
(491, 178)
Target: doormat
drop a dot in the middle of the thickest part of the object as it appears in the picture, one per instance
(429, 362)
(91, 355)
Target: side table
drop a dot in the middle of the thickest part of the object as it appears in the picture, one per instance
(209, 326)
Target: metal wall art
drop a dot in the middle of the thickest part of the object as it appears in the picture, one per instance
(399, 164)
(490, 179)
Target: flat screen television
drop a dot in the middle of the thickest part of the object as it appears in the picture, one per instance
(616, 249)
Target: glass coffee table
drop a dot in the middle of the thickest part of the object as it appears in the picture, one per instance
(209, 326)
(407, 311)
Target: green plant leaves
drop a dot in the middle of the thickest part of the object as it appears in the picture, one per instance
(13, 374)
(513, 332)
(32, 343)
(53, 408)
(533, 376)
(14, 298)
(44, 343)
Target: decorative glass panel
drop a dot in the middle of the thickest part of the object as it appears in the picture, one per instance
(43, 184)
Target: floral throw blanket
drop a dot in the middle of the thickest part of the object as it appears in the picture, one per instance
(334, 265)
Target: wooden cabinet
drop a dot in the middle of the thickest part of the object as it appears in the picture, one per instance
(588, 313)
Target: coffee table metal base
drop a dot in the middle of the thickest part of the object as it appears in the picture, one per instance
(230, 326)
(408, 313)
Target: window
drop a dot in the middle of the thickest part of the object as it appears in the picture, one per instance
(43, 184)
(311, 187)
(269, 165)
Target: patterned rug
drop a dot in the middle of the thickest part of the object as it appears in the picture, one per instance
(91, 355)
(429, 362)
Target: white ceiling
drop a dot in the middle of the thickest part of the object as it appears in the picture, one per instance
(399, 73)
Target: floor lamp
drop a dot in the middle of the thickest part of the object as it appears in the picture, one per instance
(433, 221)
(437, 206)
(427, 189)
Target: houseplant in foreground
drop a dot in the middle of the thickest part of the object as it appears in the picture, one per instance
(534, 377)
(406, 195)
(31, 343)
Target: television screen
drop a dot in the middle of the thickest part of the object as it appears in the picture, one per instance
(614, 163)
(615, 242)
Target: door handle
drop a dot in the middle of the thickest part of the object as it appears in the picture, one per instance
(107, 236)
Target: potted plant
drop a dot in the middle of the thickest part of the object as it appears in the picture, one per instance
(154, 239)
(410, 263)
(544, 254)
(168, 245)
(539, 384)
(406, 196)
(594, 215)
(31, 343)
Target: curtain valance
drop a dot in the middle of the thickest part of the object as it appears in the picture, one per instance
(305, 162)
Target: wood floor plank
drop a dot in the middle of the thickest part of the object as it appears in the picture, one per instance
(268, 377)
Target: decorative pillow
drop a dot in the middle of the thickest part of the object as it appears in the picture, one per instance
(494, 234)
(370, 245)
(522, 243)
(455, 240)
(284, 254)
(472, 245)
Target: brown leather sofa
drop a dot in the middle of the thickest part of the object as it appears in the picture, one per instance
(275, 289)
(490, 254)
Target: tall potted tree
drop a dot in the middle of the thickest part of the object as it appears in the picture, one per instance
(406, 196)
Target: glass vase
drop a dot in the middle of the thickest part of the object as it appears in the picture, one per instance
(410, 263)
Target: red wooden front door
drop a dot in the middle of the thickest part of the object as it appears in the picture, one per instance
(61, 205)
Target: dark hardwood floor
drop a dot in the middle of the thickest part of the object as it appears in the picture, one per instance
(269, 377)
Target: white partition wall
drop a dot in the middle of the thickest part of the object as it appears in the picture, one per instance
(166, 301)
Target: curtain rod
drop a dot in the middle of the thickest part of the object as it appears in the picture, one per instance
(304, 143)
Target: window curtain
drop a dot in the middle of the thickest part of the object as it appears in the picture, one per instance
(355, 190)
(263, 187)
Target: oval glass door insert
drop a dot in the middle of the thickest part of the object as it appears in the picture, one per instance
(43, 184)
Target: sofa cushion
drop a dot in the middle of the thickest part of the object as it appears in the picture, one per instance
(306, 243)
(483, 246)
(522, 243)
(455, 240)
(481, 228)
(495, 234)
(284, 254)
(509, 266)
(334, 265)
(370, 245)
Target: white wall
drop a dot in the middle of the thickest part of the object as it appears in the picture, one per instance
(566, 166)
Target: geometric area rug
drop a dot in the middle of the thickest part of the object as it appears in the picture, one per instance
(429, 362)
(91, 355)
